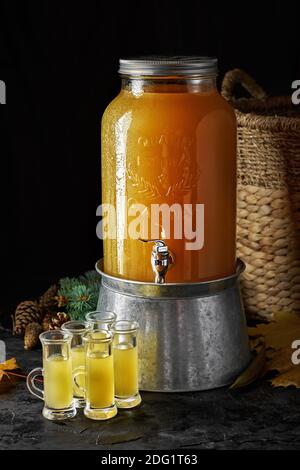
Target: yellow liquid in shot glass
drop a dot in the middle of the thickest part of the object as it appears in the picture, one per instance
(58, 382)
(99, 379)
(126, 370)
(99, 347)
(78, 360)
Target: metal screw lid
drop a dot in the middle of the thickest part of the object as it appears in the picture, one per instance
(169, 66)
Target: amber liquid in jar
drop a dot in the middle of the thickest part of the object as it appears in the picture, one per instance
(166, 141)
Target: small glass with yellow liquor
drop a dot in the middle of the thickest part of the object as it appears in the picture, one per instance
(100, 320)
(77, 329)
(99, 376)
(57, 372)
(125, 356)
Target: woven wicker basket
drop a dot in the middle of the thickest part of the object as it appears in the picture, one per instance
(268, 216)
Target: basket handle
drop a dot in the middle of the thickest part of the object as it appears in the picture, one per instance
(238, 76)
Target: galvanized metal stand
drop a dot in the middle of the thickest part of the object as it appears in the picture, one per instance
(193, 336)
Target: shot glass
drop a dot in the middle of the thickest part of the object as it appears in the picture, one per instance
(77, 329)
(57, 372)
(99, 376)
(100, 320)
(125, 356)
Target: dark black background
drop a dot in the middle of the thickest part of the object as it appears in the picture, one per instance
(59, 61)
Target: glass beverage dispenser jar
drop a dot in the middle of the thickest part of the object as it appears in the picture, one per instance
(169, 172)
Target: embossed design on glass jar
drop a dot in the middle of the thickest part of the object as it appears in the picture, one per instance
(157, 174)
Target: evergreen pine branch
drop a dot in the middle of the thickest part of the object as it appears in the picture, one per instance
(80, 294)
(66, 285)
(82, 300)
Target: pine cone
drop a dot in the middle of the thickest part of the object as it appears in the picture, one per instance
(48, 301)
(58, 320)
(32, 332)
(61, 300)
(46, 322)
(26, 312)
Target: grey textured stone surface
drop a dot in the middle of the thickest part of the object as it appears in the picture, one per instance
(258, 417)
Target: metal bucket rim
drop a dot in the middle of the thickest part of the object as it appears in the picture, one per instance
(151, 289)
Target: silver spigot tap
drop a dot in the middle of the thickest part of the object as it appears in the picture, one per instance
(161, 260)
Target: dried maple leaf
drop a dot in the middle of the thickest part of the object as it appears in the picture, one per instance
(10, 364)
(280, 332)
(289, 373)
(279, 335)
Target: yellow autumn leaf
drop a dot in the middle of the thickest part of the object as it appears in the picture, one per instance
(279, 335)
(280, 332)
(10, 364)
(291, 377)
(289, 373)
